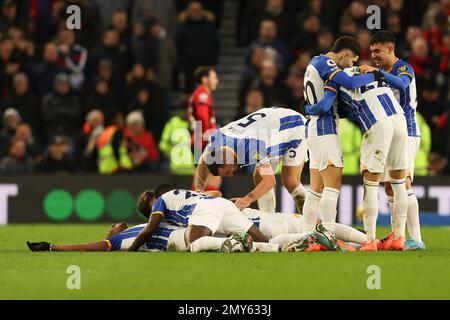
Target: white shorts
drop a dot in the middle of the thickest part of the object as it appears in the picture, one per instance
(176, 241)
(220, 215)
(325, 151)
(296, 156)
(274, 224)
(383, 146)
(412, 148)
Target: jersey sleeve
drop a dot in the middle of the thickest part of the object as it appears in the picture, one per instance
(159, 207)
(114, 242)
(257, 152)
(327, 68)
(404, 69)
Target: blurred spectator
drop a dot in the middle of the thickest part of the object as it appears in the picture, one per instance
(57, 159)
(435, 116)
(46, 71)
(9, 66)
(294, 82)
(33, 145)
(167, 59)
(253, 102)
(111, 49)
(274, 10)
(421, 163)
(85, 141)
(111, 148)
(11, 120)
(420, 59)
(119, 23)
(103, 99)
(175, 144)
(164, 11)
(274, 91)
(364, 40)
(196, 40)
(9, 17)
(355, 14)
(24, 101)
(141, 145)
(273, 49)
(350, 137)
(42, 21)
(17, 160)
(153, 116)
(325, 40)
(138, 78)
(72, 57)
(394, 24)
(306, 38)
(61, 109)
(104, 10)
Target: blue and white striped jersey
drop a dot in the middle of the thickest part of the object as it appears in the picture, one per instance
(265, 134)
(408, 97)
(158, 242)
(371, 103)
(177, 205)
(320, 70)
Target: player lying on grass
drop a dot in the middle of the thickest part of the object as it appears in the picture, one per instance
(261, 139)
(204, 215)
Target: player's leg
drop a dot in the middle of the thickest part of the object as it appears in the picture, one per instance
(267, 202)
(390, 198)
(287, 238)
(312, 201)
(412, 217)
(370, 204)
(293, 163)
(332, 179)
(349, 234)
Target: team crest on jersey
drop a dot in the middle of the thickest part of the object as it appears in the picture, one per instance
(257, 157)
(331, 63)
(203, 97)
(403, 68)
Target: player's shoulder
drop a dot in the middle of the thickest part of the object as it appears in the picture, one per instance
(322, 61)
(403, 67)
(201, 95)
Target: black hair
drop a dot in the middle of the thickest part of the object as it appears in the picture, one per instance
(144, 203)
(383, 36)
(202, 71)
(213, 166)
(346, 43)
(163, 188)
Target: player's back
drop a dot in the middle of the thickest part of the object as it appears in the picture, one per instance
(372, 102)
(274, 224)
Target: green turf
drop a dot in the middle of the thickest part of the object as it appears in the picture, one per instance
(122, 275)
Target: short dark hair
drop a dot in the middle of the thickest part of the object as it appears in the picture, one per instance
(202, 71)
(213, 166)
(346, 43)
(163, 188)
(144, 203)
(383, 36)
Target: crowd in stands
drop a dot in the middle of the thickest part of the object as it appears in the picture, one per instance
(100, 99)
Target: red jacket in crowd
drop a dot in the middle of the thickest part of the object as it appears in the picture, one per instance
(201, 109)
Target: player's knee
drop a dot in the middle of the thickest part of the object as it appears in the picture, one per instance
(388, 189)
(290, 183)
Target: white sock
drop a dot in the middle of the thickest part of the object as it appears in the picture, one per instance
(400, 206)
(266, 247)
(412, 219)
(391, 210)
(287, 238)
(267, 202)
(299, 195)
(206, 244)
(370, 209)
(349, 234)
(328, 208)
(311, 210)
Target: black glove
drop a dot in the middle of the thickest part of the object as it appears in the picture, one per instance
(39, 246)
(379, 76)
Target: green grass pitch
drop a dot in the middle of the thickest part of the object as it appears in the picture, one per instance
(122, 275)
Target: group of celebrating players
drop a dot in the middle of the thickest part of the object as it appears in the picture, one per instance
(382, 100)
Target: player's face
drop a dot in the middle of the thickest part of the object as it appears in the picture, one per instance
(227, 170)
(213, 80)
(347, 59)
(116, 228)
(380, 53)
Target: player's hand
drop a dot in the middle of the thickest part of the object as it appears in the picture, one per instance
(241, 203)
(366, 68)
(39, 246)
(379, 76)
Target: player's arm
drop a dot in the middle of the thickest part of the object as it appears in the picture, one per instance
(399, 82)
(267, 182)
(201, 174)
(145, 235)
(349, 82)
(103, 245)
(324, 105)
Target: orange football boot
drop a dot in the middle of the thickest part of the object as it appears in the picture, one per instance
(369, 246)
(316, 247)
(344, 246)
(394, 244)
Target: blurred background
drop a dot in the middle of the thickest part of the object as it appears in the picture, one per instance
(106, 99)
